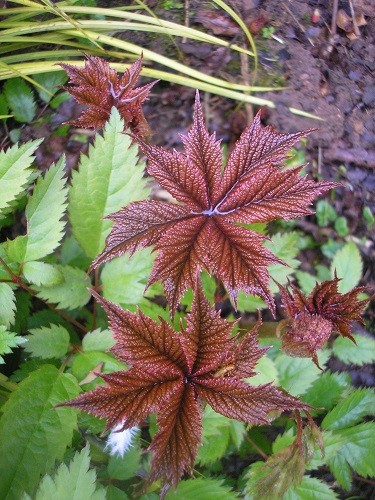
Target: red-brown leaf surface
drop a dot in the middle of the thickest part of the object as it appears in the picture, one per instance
(312, 319)
(100, 88)
(172, 374)
(203, 230)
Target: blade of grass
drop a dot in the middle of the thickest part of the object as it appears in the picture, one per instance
(127, 46)
(33, 68)
(25, 77)
(243, 26)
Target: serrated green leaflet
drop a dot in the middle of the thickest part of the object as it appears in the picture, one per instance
(218, 431)
(347, 263)
(33, 434)
(15, 171)
(310, 488)
(341, 471)
(107, 179)
(69, 294)
(40, 273)
(358, 447)
(124, 279)
(125, 467)
(20, 99)
(201, 489)
(326, 390)
(360, 353)
(44, 211)
(85, 362)
(75, 481)
(297, 374)
(351, 410)
(98, 340)
(7, 305)
(8, 340)
(48, 342)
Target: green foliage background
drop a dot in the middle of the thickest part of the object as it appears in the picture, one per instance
(48, 452)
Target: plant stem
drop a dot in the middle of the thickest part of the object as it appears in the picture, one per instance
(256, 447)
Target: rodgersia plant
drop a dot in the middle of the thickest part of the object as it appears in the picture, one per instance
(196, 371)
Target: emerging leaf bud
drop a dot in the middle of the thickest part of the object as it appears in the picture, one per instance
(312, 319)
(100, 88)
(307, 333)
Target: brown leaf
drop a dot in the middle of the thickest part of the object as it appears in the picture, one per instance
(218, 23)
(203, 231)
(100, 88)
(312, 319)
(172, 374)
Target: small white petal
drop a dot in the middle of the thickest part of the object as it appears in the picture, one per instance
(120, 441)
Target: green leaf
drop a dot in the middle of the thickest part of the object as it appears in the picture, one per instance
(44, 212)
(217, 433)
(306, 281)
(341, 471)
(72, 254)
(310, 488)
(325, 213)
(51, 81)
(347, 263)
(360, 353)
(351, 410)
(30, 366)
(286, 248)
(7, 305)
(124, 279)
(297, 374)
(267, 372)
(341, 226)
(69, 294)
(368, 216)
(98, 340)
(125, 467)
(73, 481)
(107, 179)
(326, 390)
(357, 451)
(8, 340)
(48, 342)
(40, 273)
(15, 172)
(85, 362)
(33, 434)
(201, 489)
(20, 98)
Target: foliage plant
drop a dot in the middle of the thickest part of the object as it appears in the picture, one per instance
(35, 35)
(169, 374)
